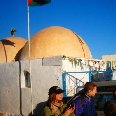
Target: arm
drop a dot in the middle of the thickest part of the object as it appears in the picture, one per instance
(67, 111)
(78, 107)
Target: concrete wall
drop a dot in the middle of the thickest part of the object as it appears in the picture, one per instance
(9, 88)
(109, 57)
(15, 98)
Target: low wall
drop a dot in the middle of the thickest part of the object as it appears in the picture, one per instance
(15, 96)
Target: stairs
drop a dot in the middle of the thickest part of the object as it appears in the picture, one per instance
(72, 85)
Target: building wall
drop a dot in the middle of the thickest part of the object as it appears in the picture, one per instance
(109, 57)
(111, 61)
(9, 88)
(15, 97)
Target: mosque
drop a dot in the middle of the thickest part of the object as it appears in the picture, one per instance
(55, 56)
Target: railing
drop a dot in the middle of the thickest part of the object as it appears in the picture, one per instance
(78, 83)
(74, 81)
(71, 84)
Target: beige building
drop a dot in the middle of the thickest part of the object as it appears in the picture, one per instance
(56, 41)
(111, 60)
(109, 57)
(10, 48)
(49, 42)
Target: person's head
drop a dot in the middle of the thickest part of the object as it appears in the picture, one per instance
(90, 89)
(55, 94)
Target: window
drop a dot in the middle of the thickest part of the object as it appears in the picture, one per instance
(27, 79)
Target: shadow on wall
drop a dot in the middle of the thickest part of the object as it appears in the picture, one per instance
(38, 111)
(17, 57)
(8, 42)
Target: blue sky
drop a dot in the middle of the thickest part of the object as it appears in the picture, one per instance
(93, 20)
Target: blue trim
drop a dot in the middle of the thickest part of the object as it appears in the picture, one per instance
(89, 76)
(64, 84)
(87, 71)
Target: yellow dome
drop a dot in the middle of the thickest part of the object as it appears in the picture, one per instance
(56, 41)
(9, 47)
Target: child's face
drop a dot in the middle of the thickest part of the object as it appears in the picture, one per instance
(59, 97)
(92, 92)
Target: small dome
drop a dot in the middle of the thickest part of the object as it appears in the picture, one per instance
(56, 41)
(9, 47)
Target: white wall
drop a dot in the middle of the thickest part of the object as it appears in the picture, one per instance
(44, 73)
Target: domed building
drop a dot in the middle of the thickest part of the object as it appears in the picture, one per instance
(55, 41)
(9, 48)
(19, 81)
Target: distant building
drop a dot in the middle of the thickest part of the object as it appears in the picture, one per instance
(111, 61)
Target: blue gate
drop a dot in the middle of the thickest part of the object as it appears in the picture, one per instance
(74, 81)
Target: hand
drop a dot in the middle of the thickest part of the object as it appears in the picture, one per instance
(69, 110)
